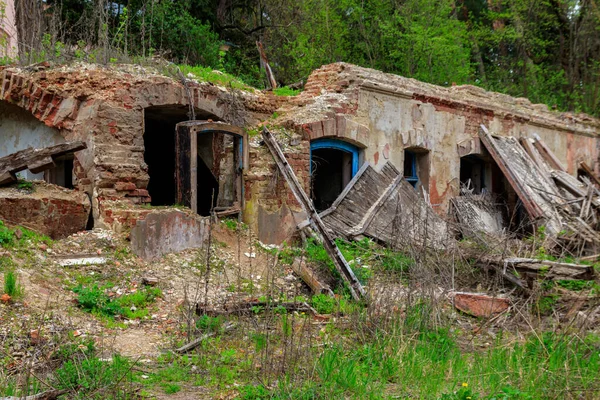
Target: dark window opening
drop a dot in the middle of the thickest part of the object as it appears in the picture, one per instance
(331, 172)
(410, 168)
(159, 149)
(62, 174)
(475, 175)
(416, 167)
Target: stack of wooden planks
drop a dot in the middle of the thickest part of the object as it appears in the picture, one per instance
(382, 205)
(479, 216)
(35, 160)
(566, 206)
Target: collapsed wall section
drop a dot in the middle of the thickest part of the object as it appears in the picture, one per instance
(392, 118)
(104, 107)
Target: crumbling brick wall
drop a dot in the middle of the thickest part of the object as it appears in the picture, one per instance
(385, 114)
(104, 107)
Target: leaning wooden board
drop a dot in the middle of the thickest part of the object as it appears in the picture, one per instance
(36, 160)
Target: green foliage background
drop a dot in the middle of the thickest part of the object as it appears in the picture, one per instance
(546, 50)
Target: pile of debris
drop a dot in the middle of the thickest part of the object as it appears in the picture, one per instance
(567, 207)
(45, 208)
(383, 206)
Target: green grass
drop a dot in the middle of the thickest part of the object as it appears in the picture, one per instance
(432, 366)
(405, 358)
(11, 285)
(7, 235)
(95, 300)
(364, 257)
(76, 367)
(207, 74)
(8, 239)
(286, 91)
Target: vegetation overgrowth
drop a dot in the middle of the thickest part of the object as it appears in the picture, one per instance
(547, 52)
(405, 341)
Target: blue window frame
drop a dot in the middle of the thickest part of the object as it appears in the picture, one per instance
(410, 168)
(337, 145)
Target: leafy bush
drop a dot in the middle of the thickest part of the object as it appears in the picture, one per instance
(323, 303)
(209, 324)
(11, 284)
(94, 300)
(24, 185)
(6, 235)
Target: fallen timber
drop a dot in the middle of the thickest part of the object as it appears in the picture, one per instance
(35, 160)
(354, 285)
(382, 205)
(531, 268)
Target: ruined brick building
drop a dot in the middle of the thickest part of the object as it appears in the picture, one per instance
(346, 116)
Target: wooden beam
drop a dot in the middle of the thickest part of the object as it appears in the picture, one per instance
(548, 155)
(309, 277)
(36, 160)
(42, 164)
(355, 287)
(590, 173)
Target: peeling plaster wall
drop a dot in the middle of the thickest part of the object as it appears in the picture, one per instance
(386, 114)
(20, 130)
(397, 122)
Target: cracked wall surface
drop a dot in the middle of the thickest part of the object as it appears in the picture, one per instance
(381, 114)
(385, 114)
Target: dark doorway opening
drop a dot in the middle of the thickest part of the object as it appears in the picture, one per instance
(159, 149)
(209, 171)
(331, 172)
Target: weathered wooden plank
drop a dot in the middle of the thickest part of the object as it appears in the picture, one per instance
(38, 159)
(41, 164)
(548, 155)
(529, 184)
(355, 287)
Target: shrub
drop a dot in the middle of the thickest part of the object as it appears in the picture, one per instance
(93, 299)
(11, 284)
(323, 303)
(92, 378)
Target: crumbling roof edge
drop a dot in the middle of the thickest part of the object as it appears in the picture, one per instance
(499, 104)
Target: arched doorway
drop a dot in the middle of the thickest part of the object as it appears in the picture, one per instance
(159, 148)
(333, 164)
(210, 159)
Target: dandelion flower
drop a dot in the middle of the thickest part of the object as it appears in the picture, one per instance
(465, 384)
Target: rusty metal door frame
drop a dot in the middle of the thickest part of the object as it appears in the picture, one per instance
(186, 164)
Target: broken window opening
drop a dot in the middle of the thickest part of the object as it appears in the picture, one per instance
(159, 149)
(416, 167)
(62, 173)
(210, 161)
(333, 165)
(475, 175)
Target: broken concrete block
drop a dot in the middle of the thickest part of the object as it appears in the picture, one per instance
(79, 260)
(479, 305)
(46, 208)
(168, 231)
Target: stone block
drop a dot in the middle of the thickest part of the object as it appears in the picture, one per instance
(168, 231)
(48, 209)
